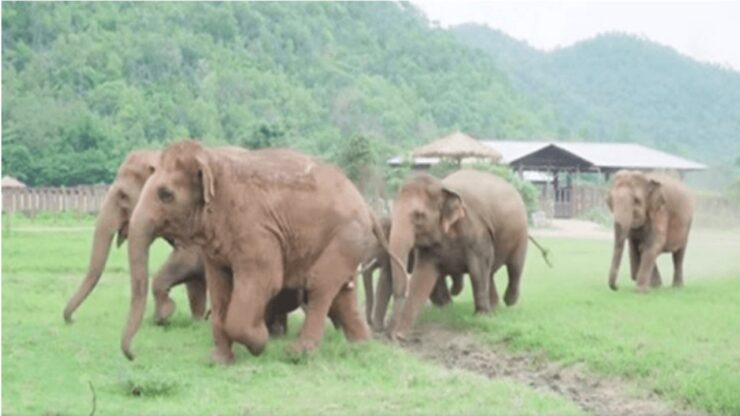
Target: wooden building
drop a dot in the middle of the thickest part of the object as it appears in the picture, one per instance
(572, 176)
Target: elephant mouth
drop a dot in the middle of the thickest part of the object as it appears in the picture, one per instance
(122, 233)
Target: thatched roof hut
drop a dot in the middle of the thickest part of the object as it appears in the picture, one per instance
(11, 182)
(457, 146)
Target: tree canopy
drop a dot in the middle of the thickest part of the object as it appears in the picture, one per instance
(83, 83)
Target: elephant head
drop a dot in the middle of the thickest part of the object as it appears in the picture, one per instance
(113, 218)
(424, 213)
(172, 205)
(633, 198)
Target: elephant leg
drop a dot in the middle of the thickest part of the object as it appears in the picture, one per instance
(255, 283)
(457, 284)
(344, 309)
(382, 297)
(174, 271)
(493, 292)
(678, 256)
(219, 283)
(634, 258)
(329, 275)
(440, 294)
(367, 281)
(514, 269)
(422, 282)
(655, 279)
(480, 278)
(647, 264)
(196, 288)
(276, 318)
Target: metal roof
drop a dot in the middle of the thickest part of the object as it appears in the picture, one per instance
(601, 155)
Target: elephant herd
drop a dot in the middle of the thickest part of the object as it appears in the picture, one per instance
(262, 233)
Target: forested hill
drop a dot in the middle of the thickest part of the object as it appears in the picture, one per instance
(83, 83)
(620, 87)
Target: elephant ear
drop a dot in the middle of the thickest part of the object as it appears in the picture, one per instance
(656, 199)
(609, 202)
(453, 209)
(205, 177)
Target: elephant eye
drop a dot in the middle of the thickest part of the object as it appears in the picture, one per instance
(637, 201)
(165, 195)
(419, 216)
(122, 195)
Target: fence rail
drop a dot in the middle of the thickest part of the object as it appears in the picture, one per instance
(81, 199)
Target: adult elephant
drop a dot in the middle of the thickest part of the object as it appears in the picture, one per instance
(379, 259)
(270, 218)
(654, 212)
(182, 266)
(471, 222)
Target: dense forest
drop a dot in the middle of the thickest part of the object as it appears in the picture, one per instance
(83, 83)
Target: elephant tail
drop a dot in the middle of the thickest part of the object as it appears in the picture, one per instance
(544, 251)
(383, 240)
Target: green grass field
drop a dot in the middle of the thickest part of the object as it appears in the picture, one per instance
(682, 344)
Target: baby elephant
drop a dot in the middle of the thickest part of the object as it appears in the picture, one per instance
(654, 213)
(380, 260)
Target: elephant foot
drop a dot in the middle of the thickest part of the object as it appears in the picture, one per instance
(678, 284)
(655, 283)
(222, 357)
(510, 298)
(303, 346)
(164, 311)
(483, 311)
(277, 329)
(613, 286)
(642, 289)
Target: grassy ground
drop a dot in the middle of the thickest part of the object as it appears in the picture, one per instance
(48, 366)
(682, 344)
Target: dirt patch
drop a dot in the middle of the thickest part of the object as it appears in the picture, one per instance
(596, 395)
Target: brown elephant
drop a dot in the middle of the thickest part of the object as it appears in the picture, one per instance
(471, 222)
(272, 219)
(182, 266)
(654, 212)
(380, 260)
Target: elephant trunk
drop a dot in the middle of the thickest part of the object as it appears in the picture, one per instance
(109, 221)
(401, 244)
(141, 235)
(620, 235)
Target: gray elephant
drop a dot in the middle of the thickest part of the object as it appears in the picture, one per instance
(471, 222)
(654, 212)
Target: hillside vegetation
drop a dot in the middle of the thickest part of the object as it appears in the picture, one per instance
(623, 88)
(84, 83)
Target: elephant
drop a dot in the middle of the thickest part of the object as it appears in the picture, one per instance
(380, 260)
(182, 266)
(264, 220)
(469, 222)
(654, 212)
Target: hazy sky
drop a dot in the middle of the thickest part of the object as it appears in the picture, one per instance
(705, 30)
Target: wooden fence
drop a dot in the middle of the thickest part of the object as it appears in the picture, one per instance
(81, 199)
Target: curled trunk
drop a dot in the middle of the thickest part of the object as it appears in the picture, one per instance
(141, 234)
(109, 221)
